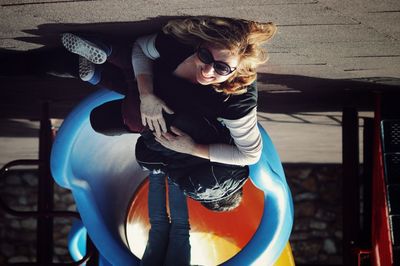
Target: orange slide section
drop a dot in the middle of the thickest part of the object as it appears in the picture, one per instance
(215, 237)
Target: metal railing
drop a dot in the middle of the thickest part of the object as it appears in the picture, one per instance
(45, 213)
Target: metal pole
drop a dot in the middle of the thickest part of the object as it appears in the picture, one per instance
(45, 192)
(367, 181)
(351, 194)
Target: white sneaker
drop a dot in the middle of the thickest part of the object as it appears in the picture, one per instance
(85, 48)
(86, 69)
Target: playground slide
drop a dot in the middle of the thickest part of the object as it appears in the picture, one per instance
(109, 190)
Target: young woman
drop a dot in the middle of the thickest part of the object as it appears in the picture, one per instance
(201, 66)
(204, 68)
(212, 58)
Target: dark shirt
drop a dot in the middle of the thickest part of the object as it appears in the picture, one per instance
(183, 96)
(198, 178)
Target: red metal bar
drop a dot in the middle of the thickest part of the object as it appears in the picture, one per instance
(381, 244)
(360, 252)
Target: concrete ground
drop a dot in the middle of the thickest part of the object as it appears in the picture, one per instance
(317, 38)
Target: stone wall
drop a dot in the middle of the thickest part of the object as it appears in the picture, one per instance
(316, 236)
(317, 195)
(18, 235)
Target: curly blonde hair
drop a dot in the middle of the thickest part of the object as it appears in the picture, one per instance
(241, 37)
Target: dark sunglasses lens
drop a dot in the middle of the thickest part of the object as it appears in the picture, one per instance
(205, 56)
(222, 69)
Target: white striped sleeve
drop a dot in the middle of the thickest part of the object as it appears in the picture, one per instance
(247, 138)
(143, 53)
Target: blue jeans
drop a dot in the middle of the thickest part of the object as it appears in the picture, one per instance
(168, 242)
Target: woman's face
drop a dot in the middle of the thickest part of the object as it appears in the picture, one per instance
(206, 73)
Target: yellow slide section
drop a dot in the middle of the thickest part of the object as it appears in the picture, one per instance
(286, 258)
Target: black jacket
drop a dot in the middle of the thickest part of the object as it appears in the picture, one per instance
(198, 178)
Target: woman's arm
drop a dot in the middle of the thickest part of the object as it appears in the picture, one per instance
(143, 54)
(244, 131)
(247, 138)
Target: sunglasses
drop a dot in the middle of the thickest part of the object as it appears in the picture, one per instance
(221, 68)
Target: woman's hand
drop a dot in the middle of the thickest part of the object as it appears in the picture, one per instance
(151, 113)
(180, 142)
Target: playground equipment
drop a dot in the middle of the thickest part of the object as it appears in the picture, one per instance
(103, 175)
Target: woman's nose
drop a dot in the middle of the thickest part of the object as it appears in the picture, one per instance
(208, 69)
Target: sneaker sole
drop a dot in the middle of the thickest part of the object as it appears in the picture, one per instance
(86, 69)
(79, 46)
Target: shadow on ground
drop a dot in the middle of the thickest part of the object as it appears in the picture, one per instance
(21, 97)
(49, 34)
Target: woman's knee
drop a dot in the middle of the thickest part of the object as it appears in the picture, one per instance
(106, 119)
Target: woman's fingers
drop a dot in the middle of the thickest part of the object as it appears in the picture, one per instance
(151, 109)
(157, 128)
(182, 144)
(155, 124)
(168, 136)
(163, 126)
(161, 139)
(143, 120)
(158, 139)
(167, 109)
(177, 131)
(150, 124)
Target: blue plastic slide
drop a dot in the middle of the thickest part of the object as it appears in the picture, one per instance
(102, 173)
